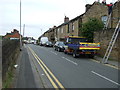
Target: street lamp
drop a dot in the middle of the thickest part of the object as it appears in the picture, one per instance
(20, 29)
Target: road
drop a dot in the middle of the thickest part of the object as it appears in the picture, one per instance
(52, 69)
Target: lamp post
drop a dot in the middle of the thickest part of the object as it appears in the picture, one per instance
(41, 31)
(23, 30)
(20, 29)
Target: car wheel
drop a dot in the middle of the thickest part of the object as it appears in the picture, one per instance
(65, 52)
(54, 48)
(58, 49)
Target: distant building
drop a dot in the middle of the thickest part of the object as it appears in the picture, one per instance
(14, 34)
(29, 40)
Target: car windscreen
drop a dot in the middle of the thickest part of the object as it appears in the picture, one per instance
(61, 43)
(75, 40)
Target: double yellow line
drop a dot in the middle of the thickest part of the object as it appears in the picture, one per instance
(47, 72)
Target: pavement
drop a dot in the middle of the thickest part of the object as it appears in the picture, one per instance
(0, 64)
(26, 74)
(113, 63)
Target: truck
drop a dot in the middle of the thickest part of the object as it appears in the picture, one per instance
(43, 40)
(80, 45)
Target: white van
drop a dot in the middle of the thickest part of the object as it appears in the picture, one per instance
(43, 40)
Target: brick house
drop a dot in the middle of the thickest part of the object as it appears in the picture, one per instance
(14, 34)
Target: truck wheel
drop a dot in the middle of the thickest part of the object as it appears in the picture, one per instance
(65, 52)
(91, 56)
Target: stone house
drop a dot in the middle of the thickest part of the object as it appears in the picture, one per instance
(96, 10)
(69, 28)
(50, 34)
(115, 16)
(72, 27)
(60, 31)
(104, 36)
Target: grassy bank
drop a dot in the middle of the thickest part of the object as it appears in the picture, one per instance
(0, 37)
(7, 83)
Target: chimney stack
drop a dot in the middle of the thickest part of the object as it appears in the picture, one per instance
(66, 19)
(87, 7)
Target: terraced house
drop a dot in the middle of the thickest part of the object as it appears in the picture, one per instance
(50, 34)
(73, 27)
(69, 28)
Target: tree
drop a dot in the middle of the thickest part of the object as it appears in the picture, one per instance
(90, 26)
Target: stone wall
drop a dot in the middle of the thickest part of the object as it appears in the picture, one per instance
(10, 52)
(104, 38)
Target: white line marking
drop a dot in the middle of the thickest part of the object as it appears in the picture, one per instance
(70, 61)
(106, 78)
(42, 74)
(53, 52)
(24, 45)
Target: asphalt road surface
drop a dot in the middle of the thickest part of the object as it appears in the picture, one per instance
(44, 67)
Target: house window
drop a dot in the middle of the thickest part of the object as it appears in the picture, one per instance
(61, 30)
(72, 27)
(68, 28)
(104, 19)
(58, 30)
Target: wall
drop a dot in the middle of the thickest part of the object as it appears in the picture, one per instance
(10, 52)
(104, 38)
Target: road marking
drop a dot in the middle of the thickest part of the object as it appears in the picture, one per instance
(44, 67)
(105, 78)
(42, 74)
(70, 61)
(105, 64)
(52, 82)
(53, 52)
(111, 66)
(95, 60)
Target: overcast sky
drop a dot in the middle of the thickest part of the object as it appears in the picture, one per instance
(39, 15)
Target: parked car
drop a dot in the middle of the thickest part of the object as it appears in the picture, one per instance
(48, 44)
(59, 46)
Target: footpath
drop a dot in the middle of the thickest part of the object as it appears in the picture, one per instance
(110, 62)
(24, 74)
(0, 64)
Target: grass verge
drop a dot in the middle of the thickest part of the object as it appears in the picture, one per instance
(9, 77)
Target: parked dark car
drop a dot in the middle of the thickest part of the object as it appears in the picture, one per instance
(59, 46)
(48, 44)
